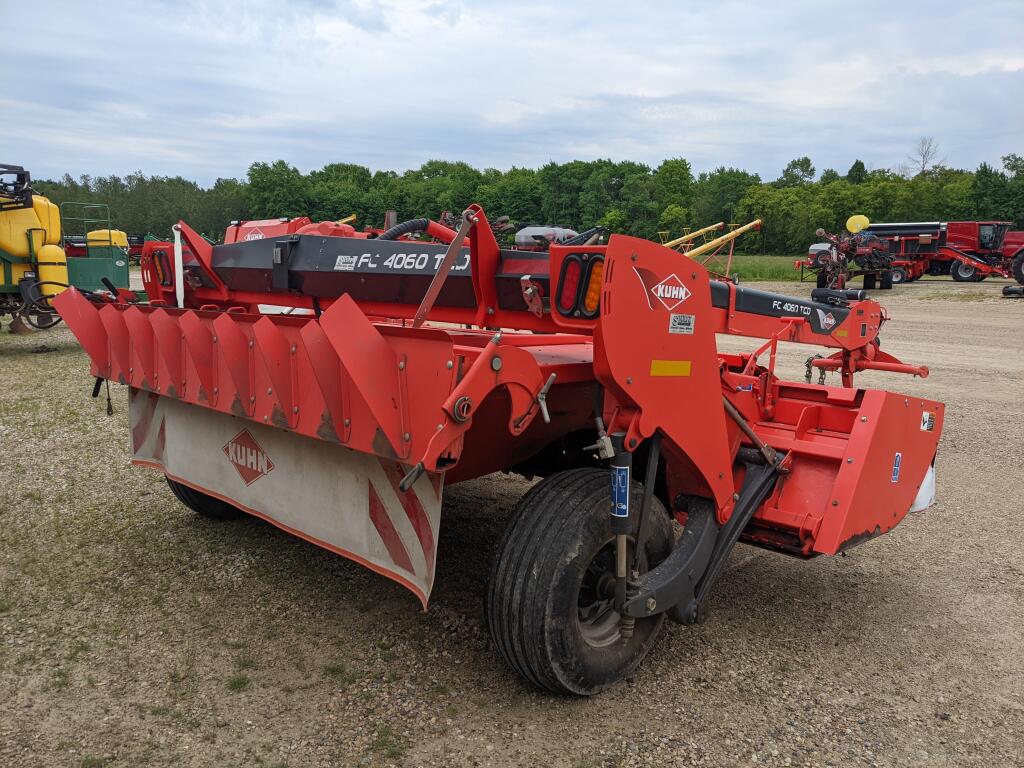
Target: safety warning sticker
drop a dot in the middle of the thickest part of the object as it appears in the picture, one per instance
(681, 324)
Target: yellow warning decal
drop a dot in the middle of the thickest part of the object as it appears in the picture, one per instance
(670, 367)
(842, 332)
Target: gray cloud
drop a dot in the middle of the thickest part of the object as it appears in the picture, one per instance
(203, 89)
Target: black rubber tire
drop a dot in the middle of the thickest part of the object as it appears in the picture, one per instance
(869, 282)
(899, 276)
(533, 597)
(1017, 267)
(885, 281)
(821, 279)
(203, 504)
(962, 273)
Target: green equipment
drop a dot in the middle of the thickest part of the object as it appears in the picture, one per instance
(39, 258)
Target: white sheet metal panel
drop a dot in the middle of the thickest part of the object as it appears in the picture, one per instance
(343, 500)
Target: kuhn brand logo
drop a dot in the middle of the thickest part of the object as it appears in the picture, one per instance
(247, 457)
(256, 234)
(671, 292)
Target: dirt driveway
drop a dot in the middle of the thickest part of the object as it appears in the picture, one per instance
(133, 633)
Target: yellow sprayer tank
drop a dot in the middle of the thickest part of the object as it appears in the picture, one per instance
(108, 237)
(49, 218)
(41, 222)
(14, 227)
(52, 270)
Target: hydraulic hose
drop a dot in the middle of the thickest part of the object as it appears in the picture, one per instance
(432, 228)
(404, 228)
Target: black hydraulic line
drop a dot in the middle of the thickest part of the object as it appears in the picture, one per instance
(404, 228)
(587, 237)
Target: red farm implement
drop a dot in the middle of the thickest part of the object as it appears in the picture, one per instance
(842, 257)
(968, 251)
(417, 365)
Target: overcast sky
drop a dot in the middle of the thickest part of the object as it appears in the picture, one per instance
(203, 89)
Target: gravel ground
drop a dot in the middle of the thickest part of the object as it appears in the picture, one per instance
(133, 633)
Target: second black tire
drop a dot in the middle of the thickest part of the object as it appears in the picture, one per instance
(1017, 267)
(202, 503)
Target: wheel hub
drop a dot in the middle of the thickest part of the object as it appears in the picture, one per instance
(598, 619)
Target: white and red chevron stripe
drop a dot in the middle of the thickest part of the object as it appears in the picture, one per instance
(343, 500)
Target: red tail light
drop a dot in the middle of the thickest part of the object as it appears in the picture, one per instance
(579, 285)
(569, 284)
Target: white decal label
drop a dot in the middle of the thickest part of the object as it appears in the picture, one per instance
(256, 234)
(927, 421)
(671, 292)
(790, 307)
(346, 262)
(681, 324)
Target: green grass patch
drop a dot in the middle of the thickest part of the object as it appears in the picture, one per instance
(245, 661)
(751, 268)
(341, 673)
(61, 679)
(238, 682)
(387, 744)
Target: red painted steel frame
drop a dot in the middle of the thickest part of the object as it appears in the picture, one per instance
(420, 395)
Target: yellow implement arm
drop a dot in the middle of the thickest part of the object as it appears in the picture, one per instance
(688, 237)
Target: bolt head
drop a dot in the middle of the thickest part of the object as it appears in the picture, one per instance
(407, 437)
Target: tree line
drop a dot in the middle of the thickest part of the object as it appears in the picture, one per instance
(627, 197)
